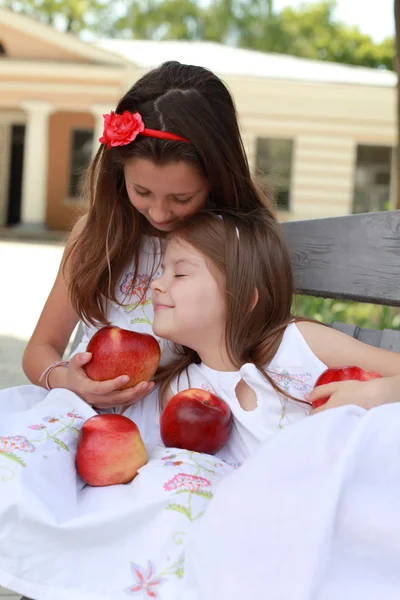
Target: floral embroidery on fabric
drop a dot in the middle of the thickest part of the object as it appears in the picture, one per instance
(10, 446)
(208, 388)
(172, 463)
(146, 581)
(299, 381)
(73, 415)
(16, 442)
(202, 462)
(138, 288)
(194, 487)
(190, 483)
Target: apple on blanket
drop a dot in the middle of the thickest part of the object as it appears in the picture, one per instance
(110, 450)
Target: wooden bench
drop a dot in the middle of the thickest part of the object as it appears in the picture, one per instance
(355, 257)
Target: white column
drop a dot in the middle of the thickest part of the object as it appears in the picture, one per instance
(5, 152)
(250, 145)
(36, 156)
(98, 110)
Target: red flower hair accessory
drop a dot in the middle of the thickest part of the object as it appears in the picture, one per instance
(120, 130)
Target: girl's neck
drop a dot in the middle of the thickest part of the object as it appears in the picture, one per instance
(152, 231)
(217, 359)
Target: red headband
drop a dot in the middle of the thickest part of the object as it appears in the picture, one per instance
(120, 130)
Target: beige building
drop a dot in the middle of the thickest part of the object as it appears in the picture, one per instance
(321, 132)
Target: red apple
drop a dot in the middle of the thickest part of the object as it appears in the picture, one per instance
(117, 351)
(196, 420)
(342, 374)
(110, 450)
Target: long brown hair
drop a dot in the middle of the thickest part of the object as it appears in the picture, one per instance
(249, 250)
(187, 100)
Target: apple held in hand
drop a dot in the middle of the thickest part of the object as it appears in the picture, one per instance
(196, 420)
(110, 450)
(342, 374)
(117, 351)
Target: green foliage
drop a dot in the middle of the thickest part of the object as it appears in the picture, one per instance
(308, 31)
(73, 16)
(370, 316)
(312, 32)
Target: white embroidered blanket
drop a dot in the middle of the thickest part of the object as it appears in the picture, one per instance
(62, 540)
(314, 515)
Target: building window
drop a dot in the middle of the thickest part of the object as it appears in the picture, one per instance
(372, 179)
(274, 168)
(80, 157)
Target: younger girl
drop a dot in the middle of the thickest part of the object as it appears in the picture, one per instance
(224, 297)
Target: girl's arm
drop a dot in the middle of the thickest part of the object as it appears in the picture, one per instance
(336, 349)
(49, 341)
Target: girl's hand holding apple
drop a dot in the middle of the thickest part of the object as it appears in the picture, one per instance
(351, 385)
(100, 394)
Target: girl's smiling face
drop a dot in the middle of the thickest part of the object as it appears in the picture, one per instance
(189, 300)
(165, 194)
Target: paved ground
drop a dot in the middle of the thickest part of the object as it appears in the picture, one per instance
(27, 272)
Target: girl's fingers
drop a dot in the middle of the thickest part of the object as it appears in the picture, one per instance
(136, 393)
(107, 393)
(322, 391)
(80, 359)
(103, 388)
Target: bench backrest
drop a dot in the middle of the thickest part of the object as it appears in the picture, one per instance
(355, 257)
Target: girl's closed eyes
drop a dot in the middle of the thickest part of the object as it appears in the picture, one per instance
(145, 193)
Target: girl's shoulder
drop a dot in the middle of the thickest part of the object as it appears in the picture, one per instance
(295, 347)
(294, 368)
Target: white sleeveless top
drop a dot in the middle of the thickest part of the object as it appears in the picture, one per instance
(295, 368)
(137, 311)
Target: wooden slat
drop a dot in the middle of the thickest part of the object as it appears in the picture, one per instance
(355, 257)
(389, 339)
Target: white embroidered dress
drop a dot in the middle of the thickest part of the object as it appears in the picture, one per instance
(61, 539)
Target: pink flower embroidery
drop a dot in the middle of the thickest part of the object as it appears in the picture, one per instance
(138, 287)
(16, 442)
(73, 415)
(50, 419)
(168, 457)
(191, 483)
(146, 581)
(37, 427)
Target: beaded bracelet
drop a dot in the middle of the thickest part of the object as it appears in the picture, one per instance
(46, 372)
